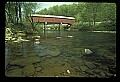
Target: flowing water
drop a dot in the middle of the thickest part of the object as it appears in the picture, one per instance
(62, 54)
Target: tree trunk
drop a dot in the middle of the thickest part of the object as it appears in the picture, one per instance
(89, 22)
(9, 15)
(32, 23)
(16, 10)
(20, 16)
(94, 16)
(94, 20)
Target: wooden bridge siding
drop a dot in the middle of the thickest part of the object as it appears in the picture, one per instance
(53, 20)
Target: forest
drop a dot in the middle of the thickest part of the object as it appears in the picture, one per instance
(88, 15)
(93, 13)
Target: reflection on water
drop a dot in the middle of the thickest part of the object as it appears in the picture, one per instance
(53, 57)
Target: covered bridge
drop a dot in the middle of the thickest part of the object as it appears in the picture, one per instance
(52, 19)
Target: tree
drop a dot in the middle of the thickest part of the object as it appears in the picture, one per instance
(20, 13)
(16, 11)
(92, 11)
(109, 12)
(29, 8)
(10, 12)
(13, 12)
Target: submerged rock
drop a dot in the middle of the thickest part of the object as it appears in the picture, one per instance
(28, 70)
(38, 69)
(90, 65)
(89, 72)
(79, 51)
(83, 68)
(53, 52)
(56, 68)
(25, 61)
(42, 54)
(14, 73)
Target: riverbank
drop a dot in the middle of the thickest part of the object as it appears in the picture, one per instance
(105, 31)
(93, 31)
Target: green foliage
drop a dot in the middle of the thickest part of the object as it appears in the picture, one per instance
(29, 8)
(82, 27)
(9, 25)
(83, 12)
(76, 25)
(19, 25)
(65, 27)
(65, 10)
(106, 26)
(28, 28)
(85, 27)
(86, 12)
(108, 12)
(39, 27)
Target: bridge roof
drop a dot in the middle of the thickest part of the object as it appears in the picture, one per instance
(53, 16)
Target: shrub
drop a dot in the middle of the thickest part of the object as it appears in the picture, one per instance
(82, 27)
(18, 26)
(76, 25)
(28, 28)
(106, 26)
(85, 27)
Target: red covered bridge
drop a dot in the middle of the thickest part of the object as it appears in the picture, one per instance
(52, 19)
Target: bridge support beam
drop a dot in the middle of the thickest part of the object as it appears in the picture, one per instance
(70, 27)
(59, 27)
(45, 25)
(44, 28)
